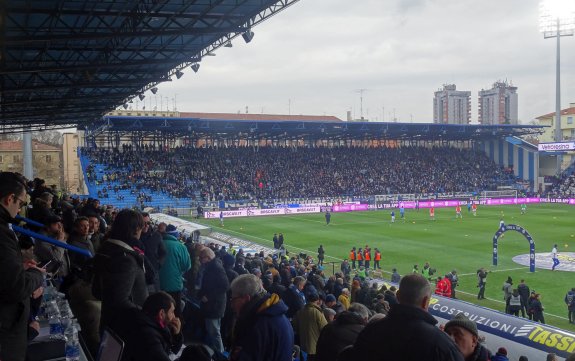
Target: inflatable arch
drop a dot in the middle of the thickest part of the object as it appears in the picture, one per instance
(523, 231)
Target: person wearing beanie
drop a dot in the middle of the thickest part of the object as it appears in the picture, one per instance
(466, 336)
(500, 355)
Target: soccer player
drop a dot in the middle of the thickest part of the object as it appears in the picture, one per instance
(432, 213)
(474, 209)
(327, 217)
(554, 257)
(501, 227)
(523, 208)
(402, 211)
(392, 217)
(221, 218)
(458, 212)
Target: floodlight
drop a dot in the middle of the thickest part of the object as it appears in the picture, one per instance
(557, 19)
(248, 36)
(195, 67)
(179, 74)
(154, 90)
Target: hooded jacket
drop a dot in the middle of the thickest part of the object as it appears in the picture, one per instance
(263, 332)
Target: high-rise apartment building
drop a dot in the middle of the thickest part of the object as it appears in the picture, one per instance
(451, 106)
(498, 105)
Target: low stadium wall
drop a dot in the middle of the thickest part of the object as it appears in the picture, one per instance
(249, 212)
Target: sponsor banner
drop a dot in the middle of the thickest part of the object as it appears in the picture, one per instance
(227, 214)
(262, 212)
(518, 335)
(556, 147)
(350, 208)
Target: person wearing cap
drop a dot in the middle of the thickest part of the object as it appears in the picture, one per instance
(308, 323)
(466, 336)
(408, 332)
(331, 302)
(176, 263)
(46, 252)
(500, 355)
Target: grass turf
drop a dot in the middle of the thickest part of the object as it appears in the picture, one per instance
(446, 243)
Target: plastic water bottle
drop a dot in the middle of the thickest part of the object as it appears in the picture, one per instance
(72, 343)
(54, 320)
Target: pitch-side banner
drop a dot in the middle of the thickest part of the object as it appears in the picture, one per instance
(262, 212)
(518, 335)
(556, 147)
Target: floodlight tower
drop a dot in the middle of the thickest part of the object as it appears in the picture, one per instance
(557, 19)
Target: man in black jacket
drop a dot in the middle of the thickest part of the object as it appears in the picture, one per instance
(408, 332)
(212, 295)
(151, 333)
(155, 250)
(342, 332)
(17, 280)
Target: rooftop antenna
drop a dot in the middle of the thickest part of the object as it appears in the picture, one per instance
(361, 91)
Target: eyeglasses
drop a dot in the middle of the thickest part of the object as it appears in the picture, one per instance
(22, 203)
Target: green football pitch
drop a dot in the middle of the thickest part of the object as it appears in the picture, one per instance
(446, 243)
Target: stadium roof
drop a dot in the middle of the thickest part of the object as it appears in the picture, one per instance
(304, 129)
(65, 63)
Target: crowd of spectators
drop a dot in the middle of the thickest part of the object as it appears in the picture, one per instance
(158, 290)
(279, 173)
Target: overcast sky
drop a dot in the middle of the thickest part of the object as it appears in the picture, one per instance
(319, 53)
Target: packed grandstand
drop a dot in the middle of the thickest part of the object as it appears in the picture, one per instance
(148, 175)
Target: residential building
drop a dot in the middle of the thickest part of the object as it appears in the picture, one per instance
(567, 125)
(71, 164)
(498, 105)
(46, 160)
(452, 106)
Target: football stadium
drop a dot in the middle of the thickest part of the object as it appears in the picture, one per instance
(176, 235)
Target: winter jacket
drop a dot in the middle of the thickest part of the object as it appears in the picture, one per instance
(214, 287)
(144, 338)
(407, 333)
(119, 280)
(176, 263)
(340, 333)
(16, 286)
(263, 332)
(307, 324)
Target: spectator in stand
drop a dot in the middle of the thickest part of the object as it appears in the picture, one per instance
(500, 355)
(344, 298)
(212, 295)
(154, 250)
(94, 233)
(46, 252)
(294, 296)
(342, 332)
(308, 323)
(408, 332)
(152, 333)
(119, 281)
(42, 209)
(18, 280)
(176, 263)
(262, 331)
(464, 332)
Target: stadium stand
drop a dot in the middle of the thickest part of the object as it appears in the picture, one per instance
(156, 178)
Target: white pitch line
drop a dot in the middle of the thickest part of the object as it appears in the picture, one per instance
(499, 270)
(225, 230)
